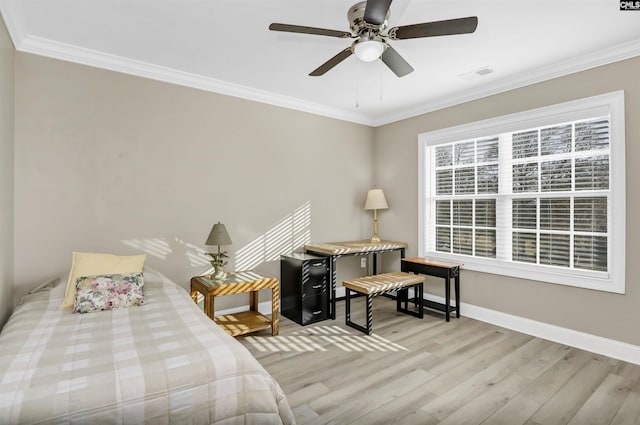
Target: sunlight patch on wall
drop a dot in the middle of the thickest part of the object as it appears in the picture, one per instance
(288, 234)
(321, 338)
(162, 248)
(194, 254)
(156, 247)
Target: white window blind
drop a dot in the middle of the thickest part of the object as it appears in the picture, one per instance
(538, 195)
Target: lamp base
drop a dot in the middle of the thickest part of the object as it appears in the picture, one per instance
(218, 273)
(375, 237)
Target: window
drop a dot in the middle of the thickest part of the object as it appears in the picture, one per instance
(538, 194)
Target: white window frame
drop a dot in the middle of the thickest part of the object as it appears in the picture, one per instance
(611, 104)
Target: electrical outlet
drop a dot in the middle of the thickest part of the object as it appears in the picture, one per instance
(363, 263)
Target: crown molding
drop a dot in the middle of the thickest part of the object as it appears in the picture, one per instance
(23, 42)
(10, 11)
(602, 57)
(71, 53)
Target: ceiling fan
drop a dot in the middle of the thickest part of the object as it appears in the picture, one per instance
(368, 21)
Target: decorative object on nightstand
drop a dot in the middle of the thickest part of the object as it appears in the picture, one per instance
(375, 201)
(218, 236)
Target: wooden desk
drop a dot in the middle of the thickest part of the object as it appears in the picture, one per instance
(237, 283)
(335, 250)
(438, 268)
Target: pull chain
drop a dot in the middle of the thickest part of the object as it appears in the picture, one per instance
(357, 86)
(380, 78)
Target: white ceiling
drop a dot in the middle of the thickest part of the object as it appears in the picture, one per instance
(225, 46)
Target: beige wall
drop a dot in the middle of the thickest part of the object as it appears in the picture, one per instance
(114, 163)
(6, 173)
(599, 313)
(110, 162)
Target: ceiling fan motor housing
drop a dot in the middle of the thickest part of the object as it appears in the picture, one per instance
(358, 26)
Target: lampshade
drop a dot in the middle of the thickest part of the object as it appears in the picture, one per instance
(369, 50)
(218, 235)
(376, 200)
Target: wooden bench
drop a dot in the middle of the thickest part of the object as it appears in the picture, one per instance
(379, 284)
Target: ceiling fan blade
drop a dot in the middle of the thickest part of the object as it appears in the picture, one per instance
(433, 29)
(322, 69)
(376, 11)
(309, 30)
(395, 62)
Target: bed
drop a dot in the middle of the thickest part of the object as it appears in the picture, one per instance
(164, 362)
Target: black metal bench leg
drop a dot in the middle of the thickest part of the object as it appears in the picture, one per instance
(416, 301)
(402, 297)
(347, 314)
(369, 314)
(347, 306)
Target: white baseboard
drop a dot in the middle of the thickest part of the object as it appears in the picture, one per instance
(596, 344)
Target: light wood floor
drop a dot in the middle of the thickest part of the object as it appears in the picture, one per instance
(413, 371)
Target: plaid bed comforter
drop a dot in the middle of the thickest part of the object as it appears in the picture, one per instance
(161, 363)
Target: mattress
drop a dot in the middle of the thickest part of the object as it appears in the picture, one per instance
(161, 363)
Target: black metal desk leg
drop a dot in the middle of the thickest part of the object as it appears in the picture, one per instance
(447, 295)
(333, 287)
(457, 285)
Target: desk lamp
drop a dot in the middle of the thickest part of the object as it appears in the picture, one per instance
(375, 201)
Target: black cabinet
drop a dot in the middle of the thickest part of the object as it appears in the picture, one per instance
(304, 287)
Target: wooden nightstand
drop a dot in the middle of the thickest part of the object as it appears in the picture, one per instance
(237, 283)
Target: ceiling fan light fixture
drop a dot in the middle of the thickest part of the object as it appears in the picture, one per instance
(368, 50)
(368, 22)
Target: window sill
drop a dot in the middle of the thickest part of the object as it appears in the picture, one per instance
(599, 281)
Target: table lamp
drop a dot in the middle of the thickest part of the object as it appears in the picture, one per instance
(375, 201)
(218, 236)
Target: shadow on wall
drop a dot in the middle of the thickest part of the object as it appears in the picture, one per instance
(290, 233)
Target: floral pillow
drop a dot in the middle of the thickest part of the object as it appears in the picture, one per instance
(108, 292)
